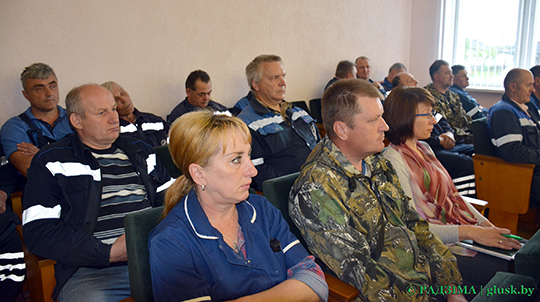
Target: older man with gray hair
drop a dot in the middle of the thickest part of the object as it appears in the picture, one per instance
(146, 126)
(395, 69)
(282, 134)
(79, 190)
(514, 123)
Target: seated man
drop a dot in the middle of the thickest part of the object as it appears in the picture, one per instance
(404, 79)
(198, 91)
(395, 69)
(344, 70)
(145, 126)
(535, 96)
(42, 123)
(447, 102)
(363, 68)
(79, 190)
(12, 265)
(352, 211)
(456, 159)
(514, 125)
(461, 81)
(282, 135)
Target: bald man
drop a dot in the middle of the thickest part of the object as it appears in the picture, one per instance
(79, 190)
(515, 126)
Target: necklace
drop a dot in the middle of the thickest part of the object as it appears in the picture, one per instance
(235, 245)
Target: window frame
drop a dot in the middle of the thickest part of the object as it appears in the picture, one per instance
(524, 47)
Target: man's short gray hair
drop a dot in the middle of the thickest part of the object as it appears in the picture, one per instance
(110, 85)
(74, 102)
(36, 71)
(254, 70)
(397, 66)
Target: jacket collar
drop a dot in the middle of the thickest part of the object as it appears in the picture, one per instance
(337, 159)
(199, 222)
(511, 102)
(79, 148)
(260, 108)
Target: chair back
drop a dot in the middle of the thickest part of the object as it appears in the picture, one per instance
(137, 227)
(316, 110)
(482, 138)
(166, 160)
(276, 190)
(301, 104)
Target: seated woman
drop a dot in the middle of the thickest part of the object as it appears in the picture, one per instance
(408, 112)
(217, 242)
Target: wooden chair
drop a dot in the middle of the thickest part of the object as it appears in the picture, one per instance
(39, 274)
(276, 190)
(39, 271)
(506, 186)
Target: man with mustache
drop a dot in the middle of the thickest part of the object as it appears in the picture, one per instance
(282, 134)
(42, 123)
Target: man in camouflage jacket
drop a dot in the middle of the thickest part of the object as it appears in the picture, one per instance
(447, 102)
(353, 213)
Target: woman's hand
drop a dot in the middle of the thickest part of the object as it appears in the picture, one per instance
(489, 236)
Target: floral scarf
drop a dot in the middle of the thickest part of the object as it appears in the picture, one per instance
(436, 197)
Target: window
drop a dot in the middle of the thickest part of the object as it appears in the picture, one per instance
(490, 37)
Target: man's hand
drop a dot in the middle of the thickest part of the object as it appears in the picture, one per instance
(3, 198)
(27, 149)
(118, 250)
(377, 84)
(447, 141)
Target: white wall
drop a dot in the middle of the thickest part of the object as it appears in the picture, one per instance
(150, 47)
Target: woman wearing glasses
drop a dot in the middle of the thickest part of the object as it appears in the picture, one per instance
(409, 114)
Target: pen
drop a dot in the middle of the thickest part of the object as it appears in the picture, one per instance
(512, 236)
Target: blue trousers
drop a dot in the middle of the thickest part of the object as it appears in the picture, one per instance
(110, 284)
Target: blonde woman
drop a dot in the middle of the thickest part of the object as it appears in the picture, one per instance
(218, 242)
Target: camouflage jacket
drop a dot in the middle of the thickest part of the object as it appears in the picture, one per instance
(340, 212)
(450, 107)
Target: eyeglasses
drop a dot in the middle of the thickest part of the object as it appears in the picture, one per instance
(428, 115)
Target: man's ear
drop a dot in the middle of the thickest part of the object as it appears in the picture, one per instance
(436, 77)
(255, 85)
(197, 174)
(25, 94)
(341, 130)
(513, 86)
(75, 120)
